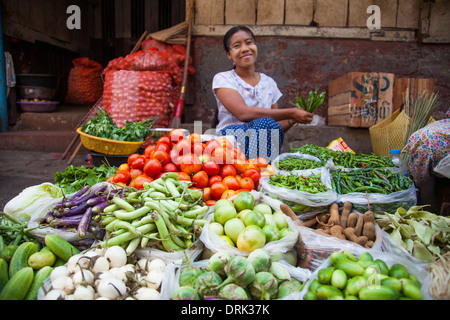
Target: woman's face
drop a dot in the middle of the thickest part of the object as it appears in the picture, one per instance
(243, 50)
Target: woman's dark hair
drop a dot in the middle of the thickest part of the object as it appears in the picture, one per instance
(226, 38)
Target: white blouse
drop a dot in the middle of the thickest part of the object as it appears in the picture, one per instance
(263, 95)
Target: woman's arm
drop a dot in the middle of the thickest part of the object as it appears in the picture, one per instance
(235, 104)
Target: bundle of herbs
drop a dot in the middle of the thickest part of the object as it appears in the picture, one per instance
(314, 101)
(103, 126)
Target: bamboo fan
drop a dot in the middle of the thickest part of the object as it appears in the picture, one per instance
(176, 34)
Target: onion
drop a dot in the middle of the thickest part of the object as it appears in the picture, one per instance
(58, 272)
(147, 294)
(111, 288)
(116, 256)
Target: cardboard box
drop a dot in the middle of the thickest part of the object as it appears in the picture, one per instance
(360, 99)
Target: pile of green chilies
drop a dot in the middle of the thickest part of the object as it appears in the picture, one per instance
(382, 181)
(311, 184)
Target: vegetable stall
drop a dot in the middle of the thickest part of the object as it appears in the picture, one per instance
(190, 217)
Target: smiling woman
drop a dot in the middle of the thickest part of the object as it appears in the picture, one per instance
(247, 100)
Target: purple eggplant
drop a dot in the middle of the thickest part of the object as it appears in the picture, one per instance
(80, 192)
(79, 200)
(94, 201)
(80, 209)
(66, 221)
(98, 209)
(84, 223)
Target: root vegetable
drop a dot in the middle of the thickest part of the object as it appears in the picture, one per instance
(336, 231)
(369, 226)
(359, 225)
(352, 220)
(345, 213)
(334, 215)
(350, 235)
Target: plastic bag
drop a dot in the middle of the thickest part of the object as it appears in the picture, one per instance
(85, 85)
(213, 242)
(418, 270)
(318, 246)
(138, 95)
(284, 156)
(443, 167)
(302, 203)
(380, 203)
(173, 274)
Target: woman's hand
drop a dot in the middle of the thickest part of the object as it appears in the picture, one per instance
(301, 116)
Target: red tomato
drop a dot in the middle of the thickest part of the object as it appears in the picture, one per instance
(162, 156)
(231, 182)
(122, 177)
(217, 189)
(228, 194)
(124, 167)
(227, 170)
(197, 149)
(243, 190)
(169, 167)
(132, 158)
(210, 146)
(225, 143)
(211, 168)
(214, 179)
(210, 203)
(163, 146)
(261, 163)
(184, 176)
(204, 158)
(206, 194)
(183, 147)
(148, 152)
(239, 165)
(110, 179)
(222, 156)
(200, 179)
(136, 172)
(190, 163)
(164, 139)
(195, 138)
(247, 183)
(139, 163)
(253, 174)
(139, 181)
(176, 135)
(174, 156)
(152, 168)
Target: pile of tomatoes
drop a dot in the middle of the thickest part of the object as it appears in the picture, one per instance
(216, 167)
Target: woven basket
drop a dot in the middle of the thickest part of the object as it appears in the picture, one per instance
(390, 133)
(107, 146)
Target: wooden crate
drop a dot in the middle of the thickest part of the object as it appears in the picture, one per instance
(411, 85)
(360, 99)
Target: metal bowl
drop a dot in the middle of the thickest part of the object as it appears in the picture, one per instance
(33, 92)
(37, 80)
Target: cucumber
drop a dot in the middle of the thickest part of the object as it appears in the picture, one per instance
(339, 279)
(18, 285)
(378, 292)
(350, 256)
(336, 256)
(365, 256)
(398, 271)
(384, 269)
(324, 275)
(4, 277)
(351, 268)
(20, 258)
(410, 290)
(8, 252)
(39, 277)
(325, 292)
(393, 283)
(355, 284)
(41, 259)
(60, 247)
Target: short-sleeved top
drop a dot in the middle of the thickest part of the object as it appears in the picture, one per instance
(263, 95)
